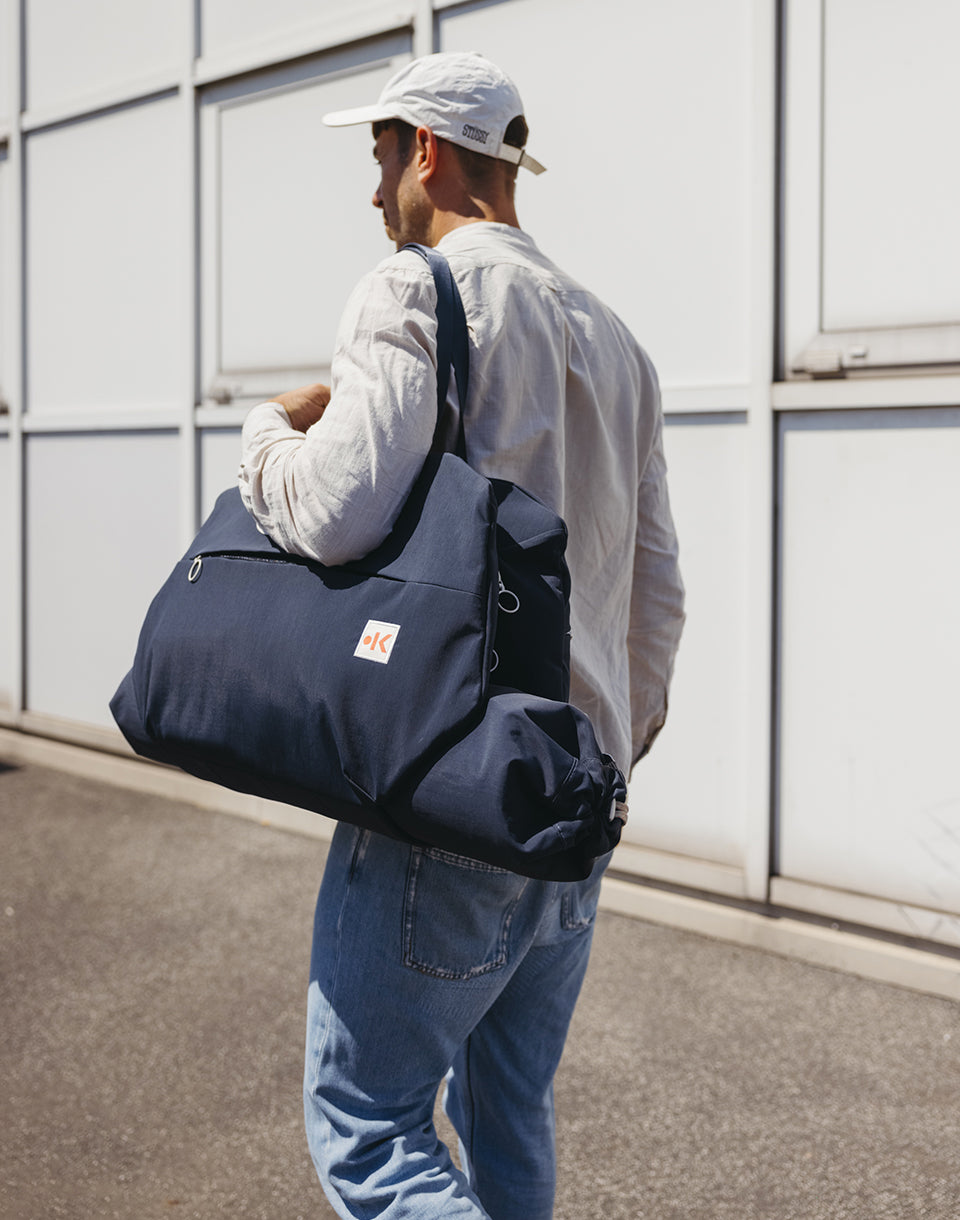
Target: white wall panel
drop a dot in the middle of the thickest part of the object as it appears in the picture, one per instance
(642, 114)
(870, 784)
(288, 223)
(102, 535)
(891, 177)
(8, 592)
(8, 51)
(219, 461)
(106, 256)
(77, 49)
(226, 24)
(688, 795)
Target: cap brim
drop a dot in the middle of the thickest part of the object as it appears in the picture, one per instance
(359, 114)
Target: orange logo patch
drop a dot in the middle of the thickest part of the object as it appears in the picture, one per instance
(377, 641)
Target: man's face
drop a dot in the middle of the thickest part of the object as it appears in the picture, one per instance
(400, 195)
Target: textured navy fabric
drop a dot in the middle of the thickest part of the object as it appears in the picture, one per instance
(363, 691)
(254, 658)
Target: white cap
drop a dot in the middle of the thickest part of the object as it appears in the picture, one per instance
(461, 97)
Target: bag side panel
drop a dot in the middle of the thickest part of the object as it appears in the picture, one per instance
(533, 625)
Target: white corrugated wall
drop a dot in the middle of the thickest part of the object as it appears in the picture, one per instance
(766, 192)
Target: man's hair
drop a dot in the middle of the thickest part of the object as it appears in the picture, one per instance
(405, 134)
(478, 168)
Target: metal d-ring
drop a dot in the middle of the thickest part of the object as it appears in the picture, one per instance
(494, 659)
(195, 568)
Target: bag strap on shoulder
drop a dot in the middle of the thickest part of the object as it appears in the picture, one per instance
(453, 346)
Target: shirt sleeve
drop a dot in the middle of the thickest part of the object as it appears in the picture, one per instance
(656, 604)
(333, 493)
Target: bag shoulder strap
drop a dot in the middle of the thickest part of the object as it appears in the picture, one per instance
(453, 345)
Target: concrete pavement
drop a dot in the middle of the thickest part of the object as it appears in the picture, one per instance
(153, 959)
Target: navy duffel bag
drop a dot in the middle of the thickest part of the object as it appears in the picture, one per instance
(363, 692)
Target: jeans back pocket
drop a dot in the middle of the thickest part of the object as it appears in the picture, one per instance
(457, 914)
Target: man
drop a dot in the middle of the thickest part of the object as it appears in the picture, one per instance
(428, 965)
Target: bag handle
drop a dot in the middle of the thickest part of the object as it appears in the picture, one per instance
(453, 345)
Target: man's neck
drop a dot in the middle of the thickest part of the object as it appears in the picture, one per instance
(444, 222)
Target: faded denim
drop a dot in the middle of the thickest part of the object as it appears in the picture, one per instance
(427, 966)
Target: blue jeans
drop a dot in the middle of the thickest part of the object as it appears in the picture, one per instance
(428, 966)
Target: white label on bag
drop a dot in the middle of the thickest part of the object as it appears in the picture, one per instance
(377, 641)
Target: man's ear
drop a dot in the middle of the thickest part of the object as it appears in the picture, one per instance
(425, 153)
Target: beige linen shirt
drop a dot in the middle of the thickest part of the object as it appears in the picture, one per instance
(562, 401)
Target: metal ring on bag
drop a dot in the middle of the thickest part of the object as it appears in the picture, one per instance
(507, 600)
(494, 659)
(195, 568)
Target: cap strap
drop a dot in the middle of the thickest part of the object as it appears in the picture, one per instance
(516, 156)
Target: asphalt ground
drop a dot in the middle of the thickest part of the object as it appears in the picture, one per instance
(153, 964)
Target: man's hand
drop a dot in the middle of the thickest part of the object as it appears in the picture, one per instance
(305, 405)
